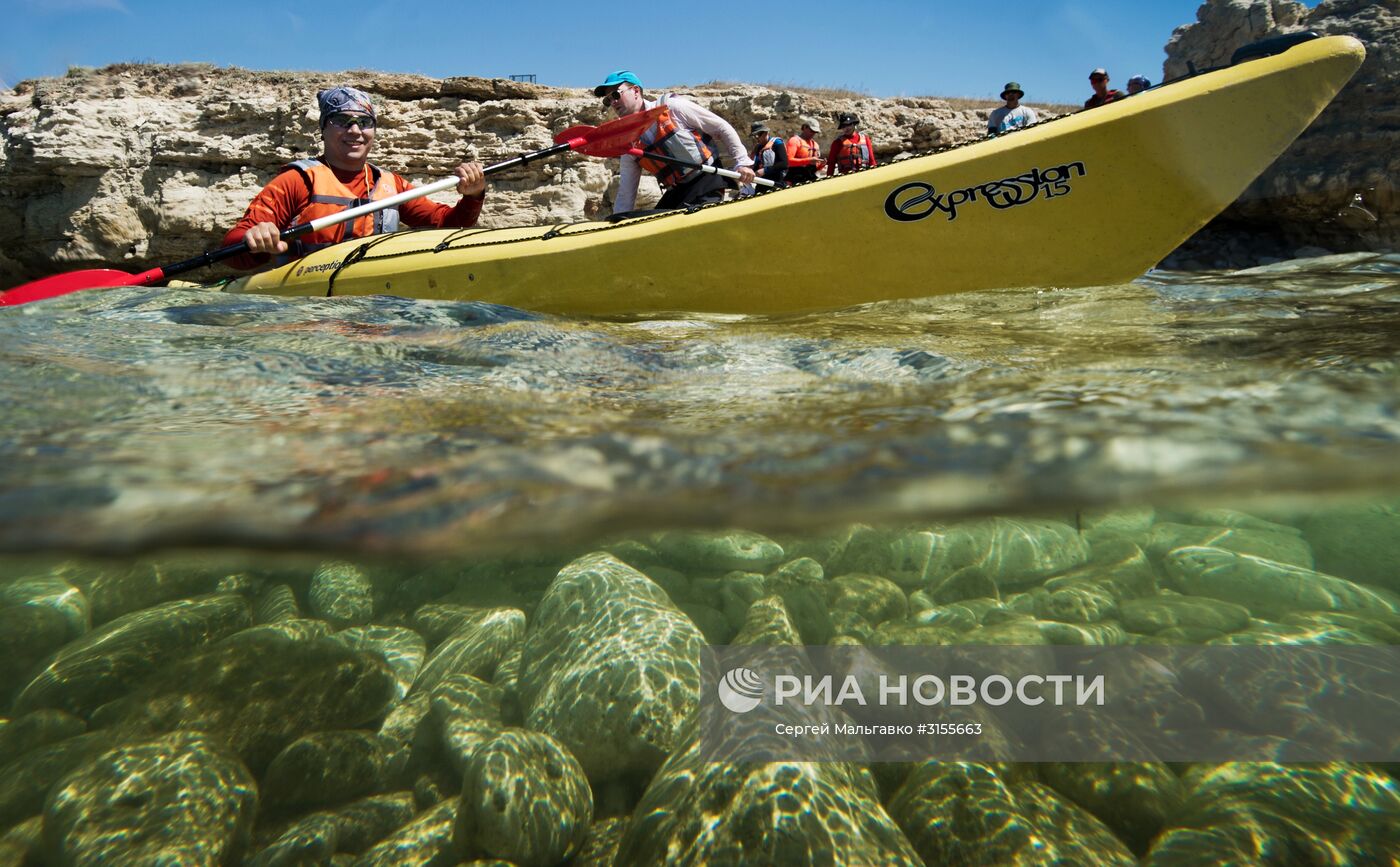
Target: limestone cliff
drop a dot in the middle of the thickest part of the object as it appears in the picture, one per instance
(136, 165)
(1335, 187)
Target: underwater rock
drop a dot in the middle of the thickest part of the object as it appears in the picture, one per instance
(350, 829)
(711, 622)
(525, 799)
(21, 845)
(329, 767)
(1150, 616)
(402, 650)
(259, 691)
(801, 572)
(29, 634)
(113, 592)
(806, 608)
(1373, 626)
(1116, 565)
(1237, 520)
(969, 582)
(1281, 547)
(107, 662)
(676, 584)
(25, 781)
(1075, 603)
(850, 625)
(610, 667)
(1109, 633)
(599, 848)
(424, 842)
(737, 591)
(300, 629)
(1135, 799)
(968, 814)
(476, 647)
(466, 712)
(1099, 527)
(1261, 812)
(342, 594)
(1266, 587)
(275, 603)
(50, 591)
(903, 632)
(178, 799)
(37, 729)
(437, 620)
(698, 812)
(1011, 553)
(698, 552)
(874, 598)
(768, 625)
(1359, 543)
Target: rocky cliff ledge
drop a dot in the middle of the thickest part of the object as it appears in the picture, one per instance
(136, 165)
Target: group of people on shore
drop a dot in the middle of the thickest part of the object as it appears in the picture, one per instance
(1013, 115)
(681, 148)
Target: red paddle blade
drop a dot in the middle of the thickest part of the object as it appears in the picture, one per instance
(62, 284)
(613, 138)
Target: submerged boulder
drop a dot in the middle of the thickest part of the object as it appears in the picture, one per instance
(610, 667)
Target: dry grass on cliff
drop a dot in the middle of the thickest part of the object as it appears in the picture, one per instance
(958, 103)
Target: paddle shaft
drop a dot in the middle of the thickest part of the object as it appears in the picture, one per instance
(212, 256)
(667, 158)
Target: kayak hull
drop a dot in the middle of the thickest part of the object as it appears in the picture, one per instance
(1095, 198)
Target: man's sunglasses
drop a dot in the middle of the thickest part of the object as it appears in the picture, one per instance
(345, 121)
(612, 97)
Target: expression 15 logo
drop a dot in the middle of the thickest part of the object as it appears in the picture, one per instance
(916, 200)
(741, 690)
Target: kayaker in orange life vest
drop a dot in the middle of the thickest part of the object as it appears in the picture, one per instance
(681, 137)
(851, 150)
(343, 177)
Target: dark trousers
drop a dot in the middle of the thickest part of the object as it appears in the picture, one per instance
(801, 174)
(702, 189)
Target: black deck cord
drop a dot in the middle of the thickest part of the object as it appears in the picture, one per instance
(352, 257)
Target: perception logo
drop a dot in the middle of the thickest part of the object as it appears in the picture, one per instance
(741, 690)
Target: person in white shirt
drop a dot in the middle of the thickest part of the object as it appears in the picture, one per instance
(1013, 115)
(680, 136)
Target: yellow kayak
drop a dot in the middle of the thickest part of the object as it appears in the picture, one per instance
(1094, 198)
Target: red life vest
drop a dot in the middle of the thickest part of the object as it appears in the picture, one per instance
(329, 196)
(666, 137)
(856, 153)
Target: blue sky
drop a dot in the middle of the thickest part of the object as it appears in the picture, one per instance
(892, 48)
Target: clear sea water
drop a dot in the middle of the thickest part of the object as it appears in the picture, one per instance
(464, 452)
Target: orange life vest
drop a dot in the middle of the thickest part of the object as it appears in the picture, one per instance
(855, 153)
(329, 196)
(801, 149)
(666, 137)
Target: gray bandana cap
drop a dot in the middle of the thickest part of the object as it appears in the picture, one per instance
(342, 98)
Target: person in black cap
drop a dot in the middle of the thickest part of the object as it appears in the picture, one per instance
(1013, 115)
(342, 177)
(1137, 84)
(770, 157)
(1098, 79)
(850, 151)
(685, 132)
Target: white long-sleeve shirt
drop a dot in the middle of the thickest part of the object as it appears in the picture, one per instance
(688, 115)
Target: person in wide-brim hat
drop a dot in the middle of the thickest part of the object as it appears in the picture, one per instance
(1013, 115)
